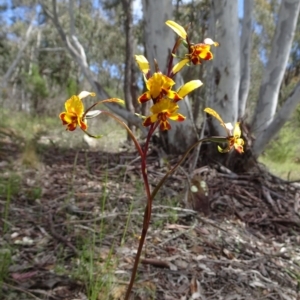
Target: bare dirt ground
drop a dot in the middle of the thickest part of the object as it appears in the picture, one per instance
(78, 202)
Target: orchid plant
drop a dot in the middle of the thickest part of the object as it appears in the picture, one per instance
(164, 108)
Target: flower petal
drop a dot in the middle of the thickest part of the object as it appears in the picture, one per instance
(93, 113)
(144, 97)
(150, 120)
(180, 65)
(189, 87)
(74, 105)
(237, 130)
(177, 28)
(84, 94)
(225, 150)
(238, 145)
(82, 124)
(65, 117)
(143, 63)
(215, 114)
(164, 125)
(71, 126)
(209, 41)
(177, 117)
(173, 95)
(229, 128)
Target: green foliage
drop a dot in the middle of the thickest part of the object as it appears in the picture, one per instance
(281, 149)
(9, 186)
(72, 87)
(5, 260)
(36, 86)
(281, 157)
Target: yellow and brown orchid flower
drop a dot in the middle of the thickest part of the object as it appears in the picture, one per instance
(161, 112)
(197, 52)
(233, 133)
(73, 115)
(159, 86)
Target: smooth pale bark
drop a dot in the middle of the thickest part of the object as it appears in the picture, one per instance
(76, 50)
(246, 45)
(278, 121)
(127, 7)
(183, 134)
(226, 64)
(159, 41)
(276, 65)
(159, 38)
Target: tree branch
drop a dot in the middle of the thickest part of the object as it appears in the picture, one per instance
(127, 7)
(276, 65)
(12, 67)
(279, 120)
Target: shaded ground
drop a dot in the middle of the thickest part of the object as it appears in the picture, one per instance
(69, 229)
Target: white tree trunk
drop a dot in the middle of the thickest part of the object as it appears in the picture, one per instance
(273, 75)
(246, 45)
(159, 40)
(24, 44)
(226, 63)
(183, 134)
(279, 120)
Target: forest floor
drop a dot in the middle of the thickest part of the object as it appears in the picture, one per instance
(70, 226)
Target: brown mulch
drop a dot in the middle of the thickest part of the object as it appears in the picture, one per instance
(246, 246)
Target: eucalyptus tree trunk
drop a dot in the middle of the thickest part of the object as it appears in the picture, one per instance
(14, 64)
(127, 7)
(245, 54)
(226, 64)
(273, 75)
(159, 41)
(230, 79)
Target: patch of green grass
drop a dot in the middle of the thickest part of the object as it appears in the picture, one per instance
(95, 268)
(8, 188)
(10, 183)
(281, 157)
(288, 170)
(30, 128)
(5, 260)
(96, 262)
